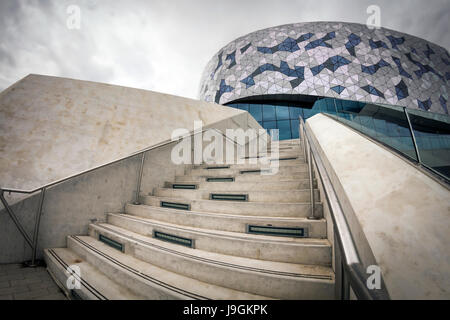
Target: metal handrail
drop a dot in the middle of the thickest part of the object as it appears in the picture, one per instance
(350, 270)
(33, 242)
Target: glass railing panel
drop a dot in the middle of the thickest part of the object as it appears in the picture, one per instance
(432, 133)
(386, 125)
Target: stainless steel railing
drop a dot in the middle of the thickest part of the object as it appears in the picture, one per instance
(350, 270)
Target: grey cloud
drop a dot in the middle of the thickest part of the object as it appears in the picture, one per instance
(164, 45)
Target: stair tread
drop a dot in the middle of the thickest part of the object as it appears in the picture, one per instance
(189, 287)
(240, 191)
(286, 177)
(184, 200)
(106, 287)
(235, 235)
(230, 215)
(236, 185)
(256, 265)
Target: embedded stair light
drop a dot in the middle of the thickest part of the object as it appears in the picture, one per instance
(175, 205)
(229, 197)
(173, 239)
(253, 171)
(184, 186)
(278, 231)
(216, 168)
(110, 242)
(220, 179)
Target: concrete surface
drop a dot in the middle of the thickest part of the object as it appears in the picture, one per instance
(404, 215)
(61, 112)
(225, 261)
(19, 283)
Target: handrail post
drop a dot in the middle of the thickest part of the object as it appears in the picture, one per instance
(302, 130)
(309, 159)
(139, 179)
(36, 228)
(311, 184)
(14, 219)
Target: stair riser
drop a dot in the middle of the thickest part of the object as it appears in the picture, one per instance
(261, 196)
(256, 249)
(122, 277)
(245, 177)
(257, 164)
(277, 286)
(316, 228)
(243, 208)
(256, 186)
(273, 155)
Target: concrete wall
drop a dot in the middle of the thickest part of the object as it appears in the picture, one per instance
(401, 213)
(70, 206)
(51, 128)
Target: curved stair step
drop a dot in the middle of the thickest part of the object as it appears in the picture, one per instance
(94, 285)
(149, 280)
(266, 278)
(225, 222)
(263, 247)
(280, 196)
(281, 209)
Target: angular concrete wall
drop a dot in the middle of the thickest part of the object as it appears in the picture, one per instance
(404, 215)
(51, 128)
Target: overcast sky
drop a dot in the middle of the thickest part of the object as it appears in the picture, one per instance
(164, 45)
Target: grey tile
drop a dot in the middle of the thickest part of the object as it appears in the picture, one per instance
(16, 289)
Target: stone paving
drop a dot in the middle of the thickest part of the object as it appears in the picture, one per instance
(19, 283)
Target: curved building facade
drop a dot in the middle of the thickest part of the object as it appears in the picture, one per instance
(389, 85)
(331, 59)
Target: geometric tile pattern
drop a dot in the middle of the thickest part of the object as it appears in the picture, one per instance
(331, 59)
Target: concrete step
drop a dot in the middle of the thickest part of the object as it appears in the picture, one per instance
(282, 153)
(253, 195)
(94, 284)
(225, 222)
(271, 248)
(257, 162)
(240, 208)
(288, 170)
(245, 177)
(150, 281)
(271, 279)
(252, 185)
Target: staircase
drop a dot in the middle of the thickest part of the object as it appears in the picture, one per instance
(217, 232)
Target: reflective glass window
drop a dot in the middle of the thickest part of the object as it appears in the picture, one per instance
(294, 128)
(243, 106)
(255, 111)
(285, 129)
(269, 125)
(295, 113)
(432, 133)
(268, 113)
(282, 112)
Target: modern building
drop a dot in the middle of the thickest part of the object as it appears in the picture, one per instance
(368, 78)
(353, 203)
